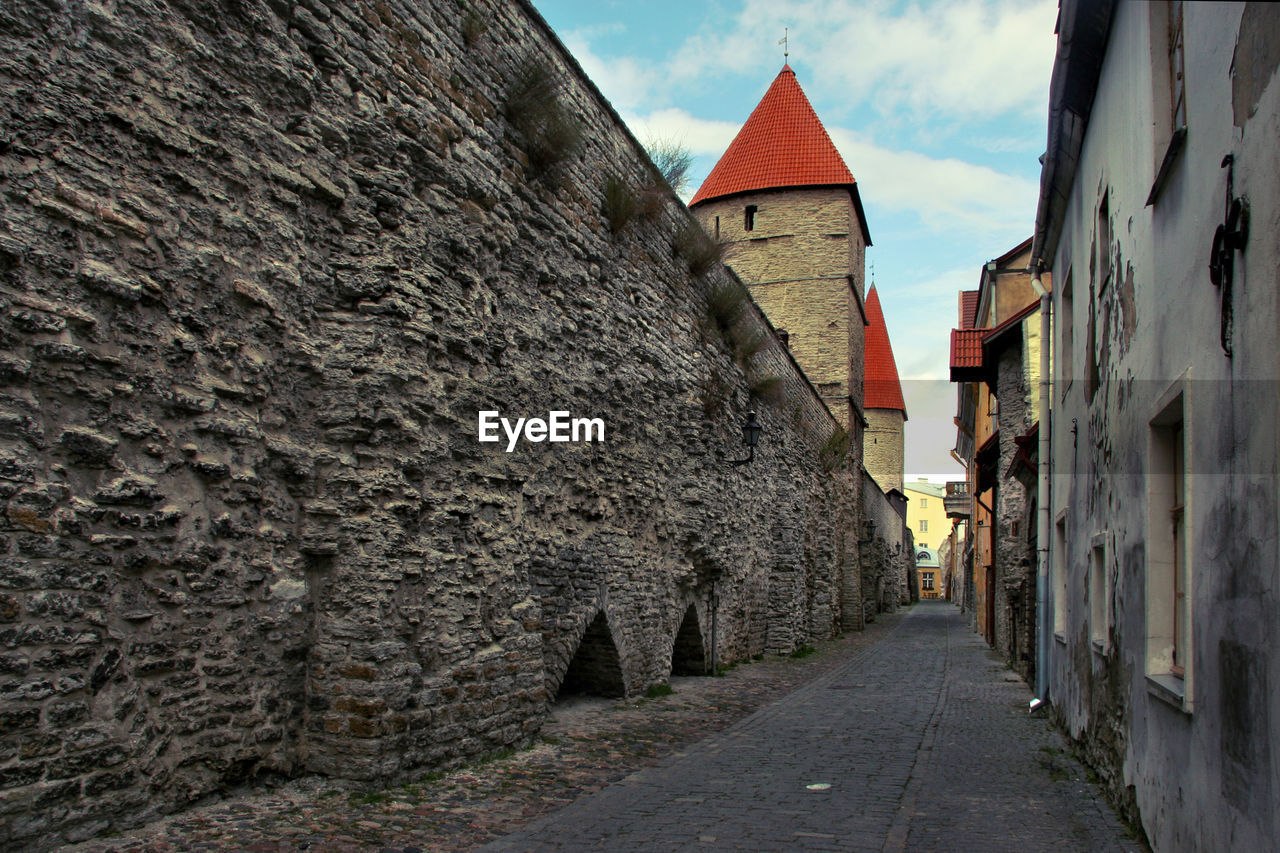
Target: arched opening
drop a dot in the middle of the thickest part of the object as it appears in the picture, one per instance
(595, 668)
(687, 655)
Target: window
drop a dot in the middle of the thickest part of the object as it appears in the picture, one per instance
(1060, 579)
(1169, 624)
(1177, 85)
(717, 227)
(926, 580)
(1099, 596)
(1169, 90)
(1066, 334)
(924, 522)
(749, 218)
(1103, 247)
(924, 502)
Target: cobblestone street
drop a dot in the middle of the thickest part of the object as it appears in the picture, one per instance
(920, 742)
(908, 736)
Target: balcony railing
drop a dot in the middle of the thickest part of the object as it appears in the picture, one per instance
(958, 505)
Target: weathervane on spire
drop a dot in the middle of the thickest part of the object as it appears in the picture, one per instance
(786, 47)
(873, 273)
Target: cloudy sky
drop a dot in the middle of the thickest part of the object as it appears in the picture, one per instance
(939, 109)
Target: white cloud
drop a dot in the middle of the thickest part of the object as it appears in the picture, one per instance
(627, 82)
(1008, 144)
(968, 58)
(700, 136)
(948, 194)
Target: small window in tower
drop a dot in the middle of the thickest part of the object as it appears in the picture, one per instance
(749, 221)
(717, 227)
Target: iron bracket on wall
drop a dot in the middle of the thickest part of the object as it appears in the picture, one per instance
(1230, 237)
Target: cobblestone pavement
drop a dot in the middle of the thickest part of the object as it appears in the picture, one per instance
(920, 733)
(584, 746)
(919, 742)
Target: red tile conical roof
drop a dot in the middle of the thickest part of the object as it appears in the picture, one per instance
(881, 388)
(783, 144)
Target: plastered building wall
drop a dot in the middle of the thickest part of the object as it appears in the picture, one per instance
(1193, 757)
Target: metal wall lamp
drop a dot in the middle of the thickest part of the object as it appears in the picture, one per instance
(751, 431)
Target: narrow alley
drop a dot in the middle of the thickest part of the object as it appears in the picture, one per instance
(919, 742)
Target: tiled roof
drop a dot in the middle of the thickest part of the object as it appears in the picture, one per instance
(783, 144)
(968, 308)
(881, 388)
(974, 351)
(966, 348)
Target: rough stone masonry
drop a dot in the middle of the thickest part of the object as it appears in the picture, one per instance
(261, 264)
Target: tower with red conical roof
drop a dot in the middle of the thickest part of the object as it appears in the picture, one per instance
(883, 406)
(786, 208)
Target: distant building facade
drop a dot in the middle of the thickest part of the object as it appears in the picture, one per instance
(927, 512)
(928, 573)
(995, 360)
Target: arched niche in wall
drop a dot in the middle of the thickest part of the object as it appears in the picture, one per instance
(595, 667)
(688, 656)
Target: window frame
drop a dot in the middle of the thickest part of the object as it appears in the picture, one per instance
(1167, 37)
(1169, 575)
(1100, 593)
(1060, 573)
(1066, 334)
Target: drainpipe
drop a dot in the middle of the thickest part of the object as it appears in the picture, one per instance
(1043, 629)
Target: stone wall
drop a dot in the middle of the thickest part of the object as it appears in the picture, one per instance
(261, 265)
(1014, 559)
(887, 552)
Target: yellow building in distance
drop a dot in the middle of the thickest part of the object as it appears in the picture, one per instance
(926, 514)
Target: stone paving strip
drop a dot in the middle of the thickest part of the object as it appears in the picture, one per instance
(585, 746)
(921, 742)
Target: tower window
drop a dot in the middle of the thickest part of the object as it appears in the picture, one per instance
(749, 219)
(717, 227)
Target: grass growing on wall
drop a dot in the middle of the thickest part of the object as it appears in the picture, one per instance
(836, 449)
(768, 389)
(620, 203)
(549, 133)
(673, 162)
(474, 25)
(725, 304)
(697, 248)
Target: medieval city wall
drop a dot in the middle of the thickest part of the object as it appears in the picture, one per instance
(887, 552)
(262, 264)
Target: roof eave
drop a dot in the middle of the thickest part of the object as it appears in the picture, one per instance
(1084, 26)
(852, 188)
